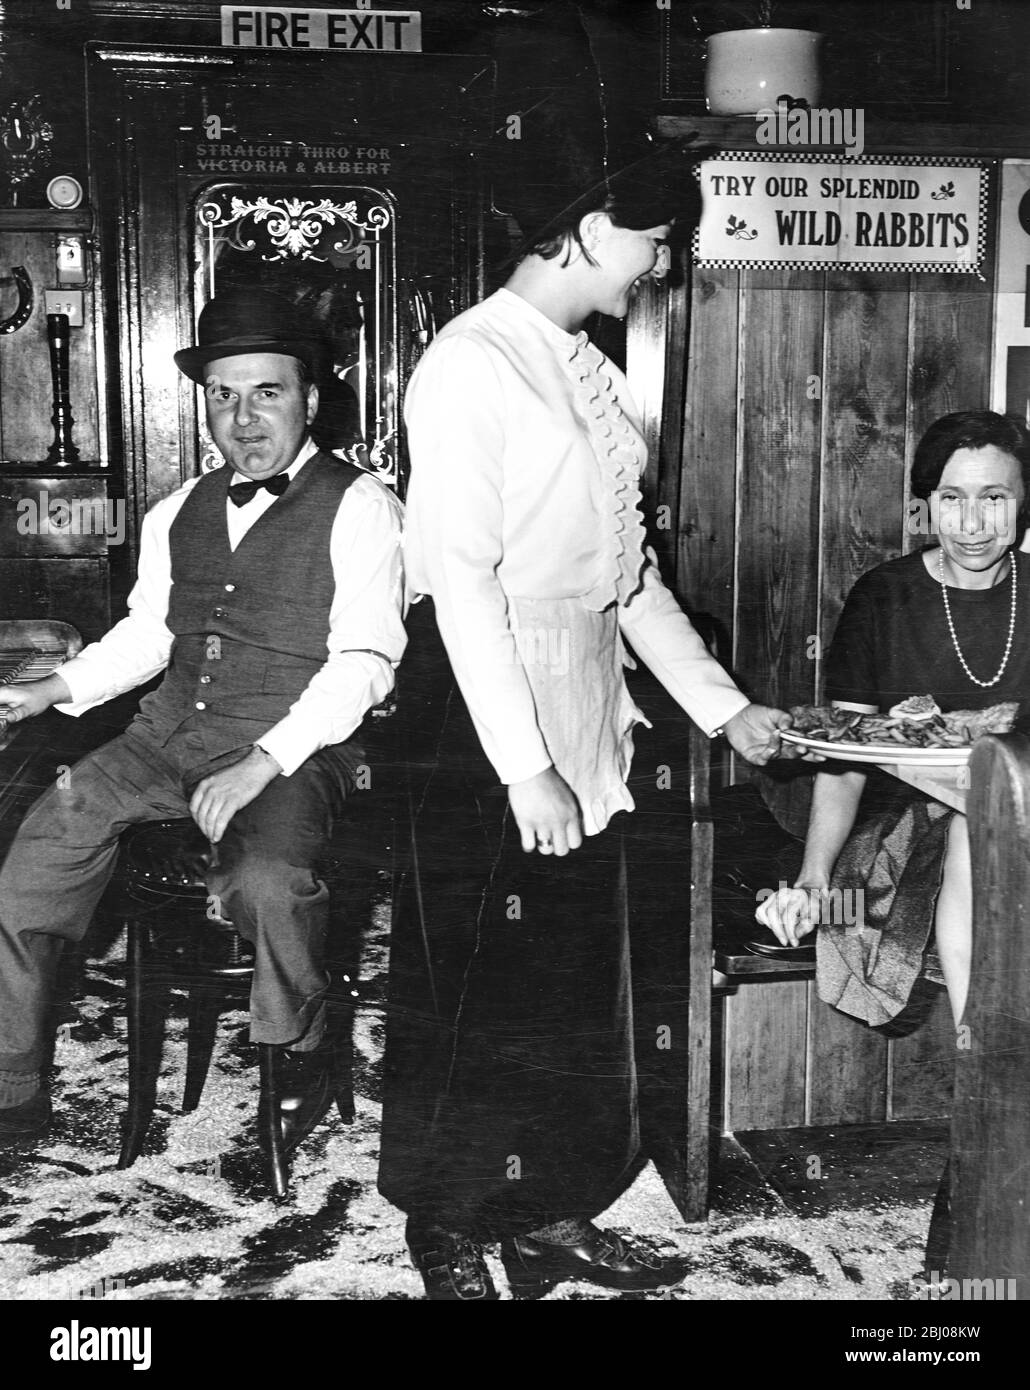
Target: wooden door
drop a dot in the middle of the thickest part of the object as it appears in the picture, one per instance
(327, 161)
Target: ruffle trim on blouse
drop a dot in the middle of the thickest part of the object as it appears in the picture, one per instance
(618, 447)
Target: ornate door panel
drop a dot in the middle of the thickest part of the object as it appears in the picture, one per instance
(349, 187)
(332, 249)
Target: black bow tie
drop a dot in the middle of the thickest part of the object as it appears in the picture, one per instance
(243, 492)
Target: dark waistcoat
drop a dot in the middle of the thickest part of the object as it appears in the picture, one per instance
(250, 625)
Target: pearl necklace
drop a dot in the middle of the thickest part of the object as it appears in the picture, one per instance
(951, 626)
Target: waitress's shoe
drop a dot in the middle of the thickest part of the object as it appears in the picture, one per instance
(535, 1266)
(452, 1266)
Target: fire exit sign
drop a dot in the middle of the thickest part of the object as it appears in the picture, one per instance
(351, 31)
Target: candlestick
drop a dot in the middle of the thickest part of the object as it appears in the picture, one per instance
(62, 451)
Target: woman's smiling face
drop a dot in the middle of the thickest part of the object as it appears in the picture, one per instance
(624, 256)
(977, 501)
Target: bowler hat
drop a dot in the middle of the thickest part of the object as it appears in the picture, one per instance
(253, 320)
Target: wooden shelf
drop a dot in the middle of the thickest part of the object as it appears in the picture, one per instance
(980, 141)
(46, 220)
(22, 469)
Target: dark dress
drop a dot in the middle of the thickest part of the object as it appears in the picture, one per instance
(537, 1049)
(892, 642)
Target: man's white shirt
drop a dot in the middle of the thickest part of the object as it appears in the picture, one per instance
(366, 637)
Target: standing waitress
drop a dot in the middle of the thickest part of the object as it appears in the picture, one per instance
(512, 1107)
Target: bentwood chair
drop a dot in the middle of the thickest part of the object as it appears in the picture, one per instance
(177, 939)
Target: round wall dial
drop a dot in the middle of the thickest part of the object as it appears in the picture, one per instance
(64, 192)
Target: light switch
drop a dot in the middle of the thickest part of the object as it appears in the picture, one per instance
(65, 302)
(71, 261)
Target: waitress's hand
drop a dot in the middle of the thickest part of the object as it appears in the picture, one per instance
(755, 734)
(547, 813)
(791, 913)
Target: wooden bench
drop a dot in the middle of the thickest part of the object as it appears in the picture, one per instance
(766, 1053)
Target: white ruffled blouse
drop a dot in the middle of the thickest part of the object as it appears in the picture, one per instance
(526, 459)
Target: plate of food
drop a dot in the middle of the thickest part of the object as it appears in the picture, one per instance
(912, 732)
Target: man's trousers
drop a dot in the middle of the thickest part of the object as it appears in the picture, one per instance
(265, 877)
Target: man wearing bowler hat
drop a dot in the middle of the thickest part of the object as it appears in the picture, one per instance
(270, 592)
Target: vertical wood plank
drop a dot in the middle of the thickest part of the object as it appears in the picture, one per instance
(777, 600)
(656, 368)
(705, 542)
(950, 332)
(847, 1068)
(864, 438)
(922, 1067)
(646, 372)
(763, 1048)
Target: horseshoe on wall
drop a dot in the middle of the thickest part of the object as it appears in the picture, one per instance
(23, 312)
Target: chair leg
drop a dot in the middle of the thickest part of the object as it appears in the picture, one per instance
(270, 1134)
(145, 1026)
(202, 1013)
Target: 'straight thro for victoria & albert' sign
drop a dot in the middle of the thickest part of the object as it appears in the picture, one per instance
(351, 31)
(883, 212)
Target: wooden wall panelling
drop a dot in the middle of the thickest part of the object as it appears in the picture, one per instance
(788, 1060)
(777, 537)
(165, 296)
(847, 1068)
(778, 487)
(949, 346)
(649, 365)
(26, 394)
(864, 391)
(922, 1067)
(764, 1027)
(949, 361)
(72, 591)
(949, 349)
(707, 456)
(656, 358)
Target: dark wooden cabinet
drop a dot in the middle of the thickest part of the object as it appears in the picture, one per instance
(58, 530)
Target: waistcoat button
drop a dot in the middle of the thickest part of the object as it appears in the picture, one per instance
(205, 680)
(219, 612)
(200, 705)
(230, 588)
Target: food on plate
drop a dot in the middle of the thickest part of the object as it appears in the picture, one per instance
(915, 728)
(916, 707)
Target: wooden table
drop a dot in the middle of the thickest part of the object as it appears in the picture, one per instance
(947, 784)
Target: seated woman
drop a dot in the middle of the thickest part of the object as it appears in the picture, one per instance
(947, 620)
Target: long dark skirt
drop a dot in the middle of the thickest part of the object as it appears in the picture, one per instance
(889, 876)
(534, 1057)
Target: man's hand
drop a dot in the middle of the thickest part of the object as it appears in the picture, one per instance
(791, 913)
(19, 702)
(547, 813)
(217, 798)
